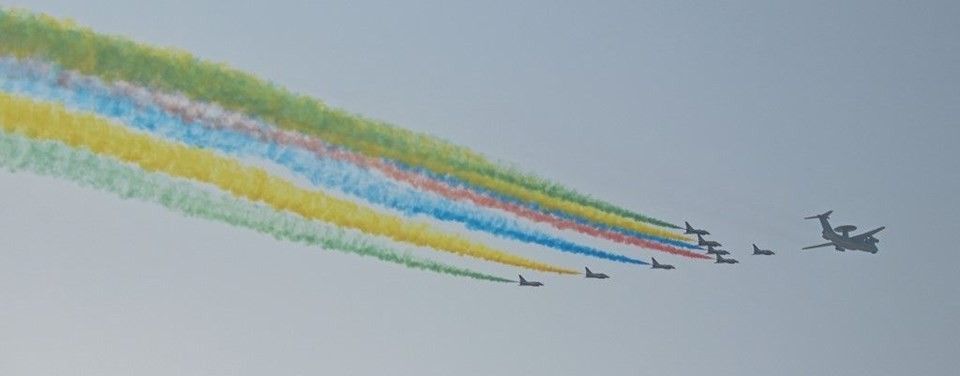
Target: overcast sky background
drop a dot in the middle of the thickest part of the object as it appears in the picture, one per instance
(742, 117)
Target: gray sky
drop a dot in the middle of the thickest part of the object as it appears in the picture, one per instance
(741, 117)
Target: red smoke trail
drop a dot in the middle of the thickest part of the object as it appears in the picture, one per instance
(426, 184)
(191, 111)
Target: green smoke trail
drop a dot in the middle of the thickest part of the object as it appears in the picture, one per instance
(49, 158)
(23, 34)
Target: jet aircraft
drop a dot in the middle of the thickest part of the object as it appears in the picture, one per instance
(721, 260)
(691, 230)
(657, 265)
(524, 282)
(702, 242)
(840, 237)
(714, 251)
(595, 275)
(764, 252)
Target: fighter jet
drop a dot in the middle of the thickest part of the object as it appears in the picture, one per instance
(764, 252)
(714, 251)
(595, 275)
(843, 241)
(657, 265)
(524, 282)
(721, 260)
(691, 230)
(707, 243)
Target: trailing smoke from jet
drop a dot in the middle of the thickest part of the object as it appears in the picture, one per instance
(325, 172)
(212, 116)
(47, 158)
(23, 34)
(55, 159)
(562, 220)
(44, 121)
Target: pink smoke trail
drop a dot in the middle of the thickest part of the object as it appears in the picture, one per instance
(216, 117)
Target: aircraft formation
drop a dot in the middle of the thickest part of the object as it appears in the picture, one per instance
(172, 129)
(838, 237)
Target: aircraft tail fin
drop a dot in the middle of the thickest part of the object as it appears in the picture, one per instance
(587, 269)
(818, 216)
(655, 263)
(689, 228)
(521, 279)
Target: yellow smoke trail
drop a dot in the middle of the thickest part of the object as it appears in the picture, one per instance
(48, 121)
(550, 203)
(23, 34)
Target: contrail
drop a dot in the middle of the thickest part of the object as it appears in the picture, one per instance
(47, 121)
(23, 34)
(48, 158)
(325, 172)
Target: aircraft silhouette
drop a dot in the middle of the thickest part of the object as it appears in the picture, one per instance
(721, 260)
(691, 230)
(843, 241)
(713, 251)
(524, 282)
(657, 265)
(764, 252)
(702, 242)
(595, 275)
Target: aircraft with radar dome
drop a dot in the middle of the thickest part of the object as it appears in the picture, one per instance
(840, 237)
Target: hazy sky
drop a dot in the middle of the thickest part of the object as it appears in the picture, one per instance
(742, 117)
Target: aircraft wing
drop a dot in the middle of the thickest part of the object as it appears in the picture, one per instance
(819, 245)
(868, 234)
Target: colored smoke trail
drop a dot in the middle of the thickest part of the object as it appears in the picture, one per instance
(191, 112)
(569, 221)
(55, 159)
(562, 224)
(324, 172)
(46, 121)
(113, 58)
(211, 115)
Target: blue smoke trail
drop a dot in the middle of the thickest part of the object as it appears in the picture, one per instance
(455, 182)
(92, 96)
